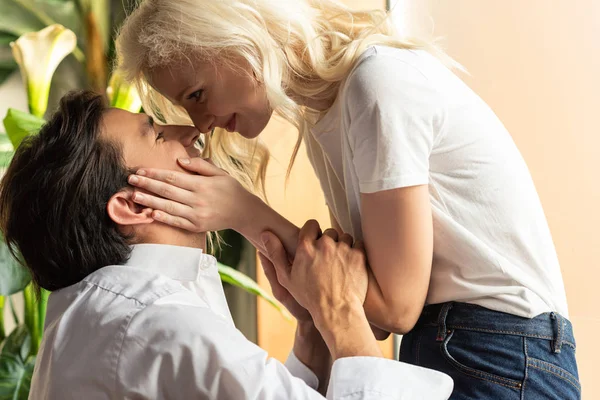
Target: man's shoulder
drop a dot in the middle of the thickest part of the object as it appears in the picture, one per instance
(133, 284)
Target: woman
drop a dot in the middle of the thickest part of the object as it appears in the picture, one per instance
(410, 160)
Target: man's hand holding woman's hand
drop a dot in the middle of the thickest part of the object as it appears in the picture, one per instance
(328, 278)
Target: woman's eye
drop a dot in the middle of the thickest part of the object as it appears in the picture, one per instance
(197, 95)
(159, 136)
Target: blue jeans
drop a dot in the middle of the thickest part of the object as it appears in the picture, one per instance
(493, 355)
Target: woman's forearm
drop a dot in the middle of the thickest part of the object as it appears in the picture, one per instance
(381, 312)
(260, 218)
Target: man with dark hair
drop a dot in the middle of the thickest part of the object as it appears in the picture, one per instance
(137, 310)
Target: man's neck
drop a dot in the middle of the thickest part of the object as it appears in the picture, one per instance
(183, 239)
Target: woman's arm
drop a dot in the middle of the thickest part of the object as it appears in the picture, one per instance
(398, 233)
(397, 229)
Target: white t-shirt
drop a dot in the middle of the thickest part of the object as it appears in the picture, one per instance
(403, 119)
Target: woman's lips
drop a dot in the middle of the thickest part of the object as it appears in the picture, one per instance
(231, 124)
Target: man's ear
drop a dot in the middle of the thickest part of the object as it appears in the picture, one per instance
(123, 211)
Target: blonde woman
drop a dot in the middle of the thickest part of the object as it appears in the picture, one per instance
(410, 160)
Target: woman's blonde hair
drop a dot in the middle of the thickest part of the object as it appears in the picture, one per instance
(295, 48)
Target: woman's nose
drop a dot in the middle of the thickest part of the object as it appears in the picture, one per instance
(203, 123)
(186, 135)
(190, 136)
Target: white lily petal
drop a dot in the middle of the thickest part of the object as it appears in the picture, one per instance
(38, 55)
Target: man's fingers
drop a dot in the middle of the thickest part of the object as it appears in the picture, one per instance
(276, 253)
(310, 232)
(271, 275)
(200, 166)
(332, 233)
(359, 245)
(346, 238)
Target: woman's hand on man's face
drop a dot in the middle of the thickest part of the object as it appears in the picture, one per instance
(209, 201)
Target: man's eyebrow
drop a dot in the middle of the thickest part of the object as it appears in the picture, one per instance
(148, 125)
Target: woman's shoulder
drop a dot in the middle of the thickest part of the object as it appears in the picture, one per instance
(379, 62)
(389, 76)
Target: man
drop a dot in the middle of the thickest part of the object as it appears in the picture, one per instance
(138, 310)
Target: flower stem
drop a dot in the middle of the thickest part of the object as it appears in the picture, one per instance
(2, 331)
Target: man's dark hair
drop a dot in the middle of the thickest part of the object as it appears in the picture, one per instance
(53, 196)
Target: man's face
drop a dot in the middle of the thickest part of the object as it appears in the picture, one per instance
(146, 144)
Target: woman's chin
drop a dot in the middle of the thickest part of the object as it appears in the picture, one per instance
(249, 134)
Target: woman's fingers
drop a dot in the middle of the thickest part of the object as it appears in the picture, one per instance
(180, 179)
(174, 221)
(163, 189)
(167, 206)
(201, 166)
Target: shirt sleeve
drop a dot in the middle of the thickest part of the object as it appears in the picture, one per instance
(370, 378)
(392, 115)
(184, 352)
(299, 370)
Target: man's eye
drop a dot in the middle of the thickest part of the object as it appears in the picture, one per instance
(197, 95)
(159, 136)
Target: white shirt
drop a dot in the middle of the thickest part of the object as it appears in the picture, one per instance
(159, 328)
(403, 119)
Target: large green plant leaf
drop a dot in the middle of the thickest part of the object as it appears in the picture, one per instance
(13, 276)
(16, 367)
(236, 278)
(6, 150)
(19, 124)
(21, 16)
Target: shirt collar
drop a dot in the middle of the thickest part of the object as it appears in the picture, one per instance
(176, 262)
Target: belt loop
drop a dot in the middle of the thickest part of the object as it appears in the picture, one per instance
(441, 321)
(558, 326)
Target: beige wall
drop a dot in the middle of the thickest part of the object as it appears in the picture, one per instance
(537, 64)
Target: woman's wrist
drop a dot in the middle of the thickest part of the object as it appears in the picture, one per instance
(257, 217)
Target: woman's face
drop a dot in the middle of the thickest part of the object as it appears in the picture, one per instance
(215, 96)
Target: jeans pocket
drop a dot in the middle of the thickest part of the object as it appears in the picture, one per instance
(494, 358)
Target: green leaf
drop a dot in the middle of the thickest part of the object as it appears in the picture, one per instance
(16, 367)
(13, 276)
(18, 343)
(6, 150)
(2, 333)
(20, 124)
(22, 16)
(6, 38)
(236, 278)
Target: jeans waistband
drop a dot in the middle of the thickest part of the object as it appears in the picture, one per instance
(446, 316)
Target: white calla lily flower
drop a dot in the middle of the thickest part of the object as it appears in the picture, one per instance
(38, 55)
